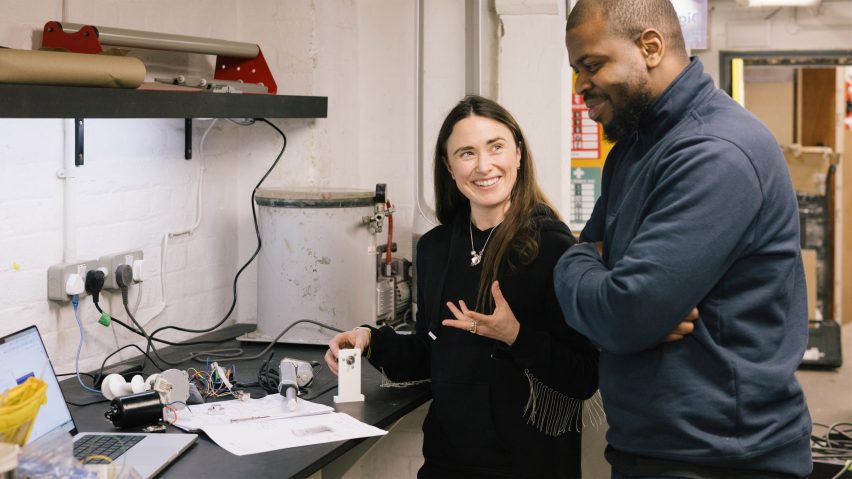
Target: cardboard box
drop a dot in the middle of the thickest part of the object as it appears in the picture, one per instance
(810, 261)
(809, 167)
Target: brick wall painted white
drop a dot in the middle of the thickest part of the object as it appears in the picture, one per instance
(535, 87)
(136, 186)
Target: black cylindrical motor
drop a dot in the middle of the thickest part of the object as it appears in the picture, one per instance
(140, 409)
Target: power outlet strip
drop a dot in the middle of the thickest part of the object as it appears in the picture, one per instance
(67, 279)
(134, 259)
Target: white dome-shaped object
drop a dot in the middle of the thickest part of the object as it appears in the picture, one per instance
(114, 385)
(137, 384)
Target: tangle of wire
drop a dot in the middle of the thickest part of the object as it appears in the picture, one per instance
(229, 353)
(257, 235)
(212, 355)
(835, 445)
(268, 378)
(209, 382)
(150, 338)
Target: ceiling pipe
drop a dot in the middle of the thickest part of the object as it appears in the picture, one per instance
(778, 3)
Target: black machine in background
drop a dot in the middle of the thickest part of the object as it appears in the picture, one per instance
(817, 233)
(393, 289)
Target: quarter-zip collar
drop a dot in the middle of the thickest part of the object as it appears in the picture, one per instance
(675, 102)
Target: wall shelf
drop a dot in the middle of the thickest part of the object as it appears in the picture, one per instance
(40, 101)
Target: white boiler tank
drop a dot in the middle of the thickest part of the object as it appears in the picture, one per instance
(317, 262)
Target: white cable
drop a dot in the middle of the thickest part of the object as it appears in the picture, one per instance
(199, 190)
(138, 298)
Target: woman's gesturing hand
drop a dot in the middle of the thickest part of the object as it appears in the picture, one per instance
(501, 325)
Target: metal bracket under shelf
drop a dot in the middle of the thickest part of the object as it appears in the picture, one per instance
(79, 142)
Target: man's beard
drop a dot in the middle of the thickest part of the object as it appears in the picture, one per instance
(627, 119)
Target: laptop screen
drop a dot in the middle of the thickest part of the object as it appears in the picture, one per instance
(22, 355)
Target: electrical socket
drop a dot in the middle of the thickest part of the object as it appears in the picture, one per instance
(134, 259)
(66, 279)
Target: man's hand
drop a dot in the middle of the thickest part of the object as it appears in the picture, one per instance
(685, 327)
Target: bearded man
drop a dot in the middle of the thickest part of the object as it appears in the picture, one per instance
(697, 210)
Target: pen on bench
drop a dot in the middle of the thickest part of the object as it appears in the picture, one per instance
(240, 419)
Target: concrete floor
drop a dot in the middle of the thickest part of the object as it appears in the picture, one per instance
(829, 396)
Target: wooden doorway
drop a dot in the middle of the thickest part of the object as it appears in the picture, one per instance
(803, 107)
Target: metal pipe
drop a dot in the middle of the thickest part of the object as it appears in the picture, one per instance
(426, 211)
(473, 47)
(121, 37)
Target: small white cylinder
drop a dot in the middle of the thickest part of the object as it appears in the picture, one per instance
(317, 262)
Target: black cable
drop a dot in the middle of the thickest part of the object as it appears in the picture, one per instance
(133, 330)
(103, 364)
(86, 403)
(150, 344)
(222, 353)
(213, 356)
(150, 338)
(311, 398)
(74, 374)
(267, 378)
(256, 251)
(168, 343)
(232, 353)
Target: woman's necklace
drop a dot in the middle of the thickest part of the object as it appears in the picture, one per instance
(476, 258)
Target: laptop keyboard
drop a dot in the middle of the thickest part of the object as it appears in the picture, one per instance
(108, 445)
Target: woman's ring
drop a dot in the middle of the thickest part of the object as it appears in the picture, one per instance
(473, 328)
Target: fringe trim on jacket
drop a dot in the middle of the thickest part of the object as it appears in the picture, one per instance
(553, 413)
(387, 383)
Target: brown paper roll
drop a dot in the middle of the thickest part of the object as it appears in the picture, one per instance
(70, 69)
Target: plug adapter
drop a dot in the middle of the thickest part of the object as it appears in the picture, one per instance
(67, 279)
(111, 262)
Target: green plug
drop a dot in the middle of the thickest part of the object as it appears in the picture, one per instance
(105, 319)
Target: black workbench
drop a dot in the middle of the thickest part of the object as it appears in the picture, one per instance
(381, 408)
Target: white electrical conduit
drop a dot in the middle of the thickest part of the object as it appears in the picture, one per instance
(426, 211)
(66, 172)
(164, 244)
(473, 85)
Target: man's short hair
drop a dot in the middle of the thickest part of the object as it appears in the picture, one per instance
(629, 18)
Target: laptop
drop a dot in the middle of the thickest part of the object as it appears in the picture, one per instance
(23, 355)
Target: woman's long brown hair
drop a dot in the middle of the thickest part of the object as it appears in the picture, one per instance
(517, 233)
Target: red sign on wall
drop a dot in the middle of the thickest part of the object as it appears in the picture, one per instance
(585, 134)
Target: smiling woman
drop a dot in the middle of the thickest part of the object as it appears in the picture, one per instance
(508, 377)
(484, 163)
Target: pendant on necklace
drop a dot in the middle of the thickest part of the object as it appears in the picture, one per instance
(475, 258)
